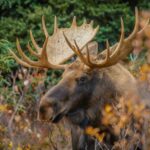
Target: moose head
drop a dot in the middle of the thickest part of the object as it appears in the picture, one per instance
(92, 78)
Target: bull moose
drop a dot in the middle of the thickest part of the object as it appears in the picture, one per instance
(87, 83)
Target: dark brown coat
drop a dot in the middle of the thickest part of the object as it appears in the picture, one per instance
(80, 96)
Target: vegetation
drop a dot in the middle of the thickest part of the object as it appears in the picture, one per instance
(21, 89)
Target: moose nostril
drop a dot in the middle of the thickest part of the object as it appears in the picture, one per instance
(42, 109)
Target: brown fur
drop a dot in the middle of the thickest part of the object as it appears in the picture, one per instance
(77, 99)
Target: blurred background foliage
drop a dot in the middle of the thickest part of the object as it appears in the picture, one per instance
(18, 16)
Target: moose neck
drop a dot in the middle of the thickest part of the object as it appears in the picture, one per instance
(104, 92)
(112, 83)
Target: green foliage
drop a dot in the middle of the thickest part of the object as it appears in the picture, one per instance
(19, 19)
(6, 63)
(18, 16)
(144, 4)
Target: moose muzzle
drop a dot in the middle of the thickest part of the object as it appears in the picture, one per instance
(52, 105)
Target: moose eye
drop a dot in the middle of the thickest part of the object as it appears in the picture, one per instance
(82, 80)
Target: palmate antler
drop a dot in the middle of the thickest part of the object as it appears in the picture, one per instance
(55, 50)
(112, 54)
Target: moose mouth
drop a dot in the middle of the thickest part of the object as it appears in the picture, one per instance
(75, 115)
(69, 111)
(58, 116)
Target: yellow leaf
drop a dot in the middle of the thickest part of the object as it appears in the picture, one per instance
(95, 133)
(108, 108)
(3, 107)
(91, 131)
(10, 145)
(100, 136)
(145, 68)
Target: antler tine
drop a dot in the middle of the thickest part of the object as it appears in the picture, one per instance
(118, 48)
(32, 51)
(129, 47)
(109, 60)
(43, 59)
(88, 55)
(73, 48)
(44, 53)
(41, 63)
(25, 58)
(81, 56)
(51, 48)
(69, 44)
(135, 30)
(129, 38)
(74, 23)
(114, 57)
(76, 49)
(55, 25)
(106, 60)
(38, 49)
(123, 47)
(19, 60)
(44, 27)
(91, 23)
(108, 52)
(89, 62)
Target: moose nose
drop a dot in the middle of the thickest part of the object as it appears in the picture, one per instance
(45, 112)
(47, 108)
(47, 101)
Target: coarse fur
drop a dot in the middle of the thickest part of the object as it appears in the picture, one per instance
(81, 94)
